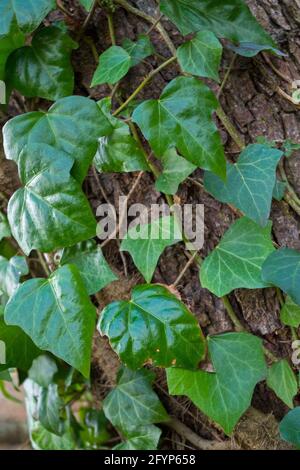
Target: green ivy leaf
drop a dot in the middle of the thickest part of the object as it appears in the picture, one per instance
(201, 55)
(10, 273)
(250, 182)
(290, 313)
(279, 190)
(282, 380)
(237, 261)
(282, 269)
(175, 170)
(290, 427)
(142, 438)
(118, 152)
(94, 270)
(20, 350)
(9, 43)
(43, 370)
(27, 14)
(73, 125)
(139, 49)
(182, 117)
(57, 314)
(114, 64)
(224, 395)
(133, 403)
(44, 68)
(94, 424)
(230, 19)
(146, 242)
(4, 227)
(50, 406)
(51, 211)
(87, 4)
(154, 326)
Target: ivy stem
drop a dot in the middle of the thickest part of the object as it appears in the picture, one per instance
(88, 19)
(232, 315)
(184, 270)
(226, 76)
(143, 84)
(43, 263)
(111, 28)
(230, 128)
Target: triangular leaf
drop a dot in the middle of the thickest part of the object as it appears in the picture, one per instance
(175, 170)
(290, 313)
(139, 49)
(282, 380)
(114, 64)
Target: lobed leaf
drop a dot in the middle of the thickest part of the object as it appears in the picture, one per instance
(141, 438)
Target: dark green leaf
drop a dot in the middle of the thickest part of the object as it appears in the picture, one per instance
(146, 242)
(27, 14)
(237, 261)
(182, 117)
(8, 43)
(142, 438)
(10, 273)
(224, 395)
(51, 211)
(133, 403)
(201, 55)
(282, 269)
(175, 170)
(114, 64)
(138, 50)
(57, 314)
(290, 427)
(290, 313)
(44, 68)
(4, 227)
(155, 327)
(282, 380)
(229, 19)
(73, 125)
(43, 370)
(250, 182)
(94, 270)
(50, 405)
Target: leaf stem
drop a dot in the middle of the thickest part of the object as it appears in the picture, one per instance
(43, 263)
(111, 28)
(230, 128)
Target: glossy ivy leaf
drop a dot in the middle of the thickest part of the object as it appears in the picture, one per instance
(4, 227)
(57, 314)
(250, 182)
(114, 64)
(282, 269)
(279, 190)
(230, 19)
(282, 380)
(182, 117)
(44, 68)
(142, 438)
(225, 394)
(119, 151)
(154, 327)
(20, 350)
(43, 370)
(175, 170)
(9, 43)
(93, 267)
(10, 273)
(51, 211)
(201, 55)
(26, 14)
(237, 261)
(73, 125)
(139, 49)
(290, 427)
(87, 4)
(132, 402)
(50, 406)
(290, 313)
(146, 242)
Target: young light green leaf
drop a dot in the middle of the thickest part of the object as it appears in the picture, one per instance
(26, 14)
(201, 55)
(133, 403)
(182, 117)
(237, 261)
(175, 170)
(94, 270)
(224, 395)
(290, 427)
(114, 64)
(50, 406)
(57, 314)
(146, 242)
(290, 313)
(142, 438)
(250, 182)
(118, 152)
(282, 269)
(51, 211)
(139, 49)
(44, 68)
(155, 327)
(10, 273)
(230, 19)
(73, 125)
(4, 227)
(43, 370)
(282, 380)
